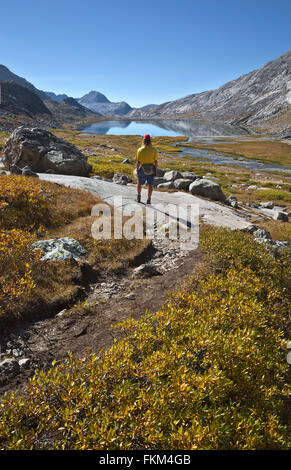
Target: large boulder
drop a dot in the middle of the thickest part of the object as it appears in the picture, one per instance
(189, 175)
(168, 185)
(208, 189)
(158, 181)
(182, 183)
(172, 175)
(42, 151)
(160, 172)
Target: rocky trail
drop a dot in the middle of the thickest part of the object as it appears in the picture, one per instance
(114, 297)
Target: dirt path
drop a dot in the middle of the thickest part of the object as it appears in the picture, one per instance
(114, 298)
(87, 326)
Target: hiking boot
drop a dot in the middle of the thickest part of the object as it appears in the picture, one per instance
(148, 201)
(138, 198)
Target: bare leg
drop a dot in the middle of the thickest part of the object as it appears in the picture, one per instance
(150, 190)
(139, 186)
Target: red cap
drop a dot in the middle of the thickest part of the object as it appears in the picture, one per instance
(147, 137)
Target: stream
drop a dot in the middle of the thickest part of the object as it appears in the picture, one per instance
(218, 159)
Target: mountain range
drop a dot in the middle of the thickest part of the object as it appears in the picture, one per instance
(94, 101)
(69, 110)
(23, 104)
(259, 98)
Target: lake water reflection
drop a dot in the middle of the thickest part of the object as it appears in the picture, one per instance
(191, 128)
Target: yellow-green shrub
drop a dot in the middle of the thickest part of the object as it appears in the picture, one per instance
(106, 168)
(208, 371)
(29, 203)
(21, 200)
(279, 231)
(238, 250)
(29, 206)
(274, 195)
(16, 260)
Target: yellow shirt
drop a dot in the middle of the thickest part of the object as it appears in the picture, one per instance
(146, 154)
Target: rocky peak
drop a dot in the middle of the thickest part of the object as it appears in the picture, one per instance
(100, 104)
(93, 97)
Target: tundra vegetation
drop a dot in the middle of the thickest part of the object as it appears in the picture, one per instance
(31, 209)
(206, 371)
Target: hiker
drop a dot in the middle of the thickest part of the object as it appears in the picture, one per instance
(146, 166)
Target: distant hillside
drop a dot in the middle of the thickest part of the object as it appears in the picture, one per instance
(54, 97)
(252, 98)
(147, 106)
(7, 75)
(69, 110)
(99, 103)
(16, 99)
(21, 106)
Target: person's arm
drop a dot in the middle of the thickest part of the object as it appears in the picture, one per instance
(156, 164)
(137, 161)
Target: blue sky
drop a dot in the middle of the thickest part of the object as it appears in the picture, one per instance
(140, 51)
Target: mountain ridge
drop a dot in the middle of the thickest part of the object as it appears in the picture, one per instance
(7, 75)
(20, 105)
(251, 98)
(52, 96)
(69, 109)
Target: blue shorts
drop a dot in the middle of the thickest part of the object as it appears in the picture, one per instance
(142, 177)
